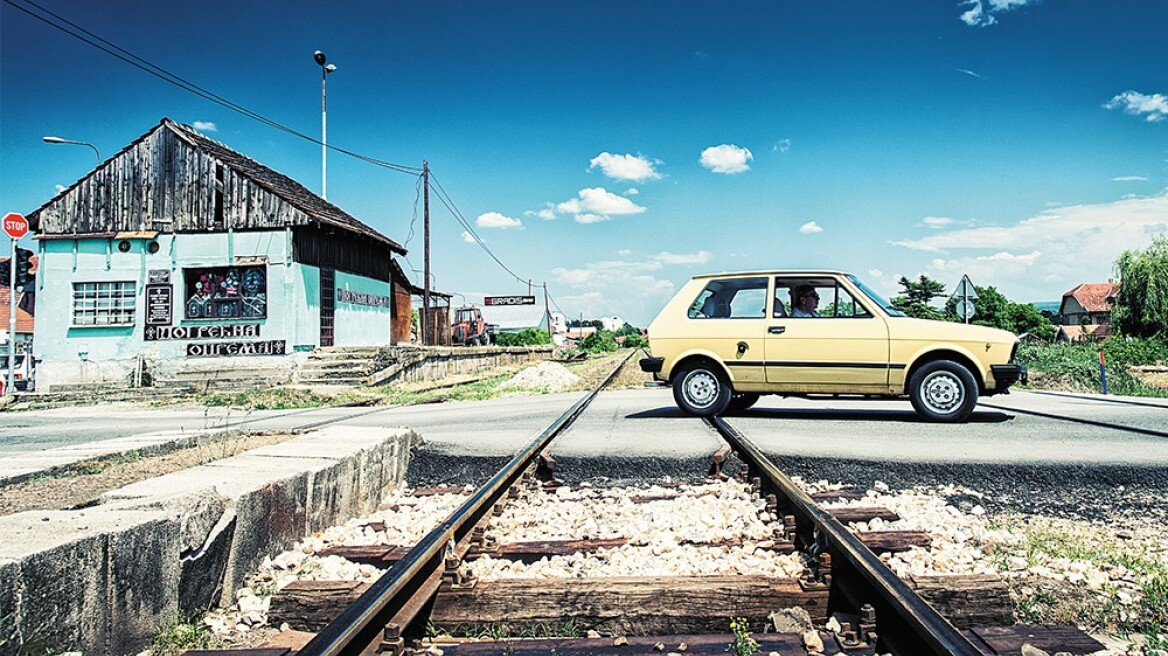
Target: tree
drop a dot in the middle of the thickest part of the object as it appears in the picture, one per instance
(997, 311)
(601, 341)
(916, 301)
(1140, 308)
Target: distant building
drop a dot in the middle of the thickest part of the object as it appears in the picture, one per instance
(1085, 311)
(612, 324)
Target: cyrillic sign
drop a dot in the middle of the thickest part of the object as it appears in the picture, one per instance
(509, 300)
(230, 349)
(218, 331)
(361, 298)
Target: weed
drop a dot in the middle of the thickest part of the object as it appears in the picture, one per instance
(742, 644)
(181, 633)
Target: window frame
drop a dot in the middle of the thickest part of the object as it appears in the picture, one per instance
(120, 293)
(694, 313)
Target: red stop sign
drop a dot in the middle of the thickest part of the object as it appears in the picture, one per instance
(15, 225)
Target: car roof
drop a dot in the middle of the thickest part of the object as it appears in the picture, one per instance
(774, 272)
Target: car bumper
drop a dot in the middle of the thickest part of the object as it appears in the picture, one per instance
(652, 365)
(1006, 375)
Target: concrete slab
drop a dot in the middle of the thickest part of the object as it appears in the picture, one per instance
(20, 467)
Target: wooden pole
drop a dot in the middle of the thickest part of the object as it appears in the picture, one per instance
(426, 328)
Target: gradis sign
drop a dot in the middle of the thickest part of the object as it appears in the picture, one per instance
(15, 225)
(509, 300)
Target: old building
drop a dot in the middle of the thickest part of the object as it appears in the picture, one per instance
(1085, 311)
(180, 253)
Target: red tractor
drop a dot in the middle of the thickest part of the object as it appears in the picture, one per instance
(469, 328)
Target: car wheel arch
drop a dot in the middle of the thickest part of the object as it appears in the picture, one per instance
(688, 361)
(945, 354)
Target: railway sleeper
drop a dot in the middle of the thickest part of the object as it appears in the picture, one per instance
(639, 605)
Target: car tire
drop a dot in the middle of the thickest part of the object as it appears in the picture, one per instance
(701, 389)
(740, 402)
(943, 391)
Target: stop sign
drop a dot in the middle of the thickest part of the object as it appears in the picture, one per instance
(15, 225)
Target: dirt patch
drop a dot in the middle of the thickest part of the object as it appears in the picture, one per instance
(85, 481)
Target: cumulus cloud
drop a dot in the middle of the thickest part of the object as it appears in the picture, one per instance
(629, 289)
(727, 158)
(548, 213)
(939, 221)
(497, 221)
(60, 188)
(1042, 256)
(982, 13)
(205, 126)
(632, 191)
(810, 228)
(782, 146)
(1153, 108)
(597, 204)
(469, 238)
(625, 167)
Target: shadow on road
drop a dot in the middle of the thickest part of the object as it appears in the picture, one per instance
(828, 414)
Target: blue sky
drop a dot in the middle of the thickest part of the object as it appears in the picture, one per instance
(614, 149)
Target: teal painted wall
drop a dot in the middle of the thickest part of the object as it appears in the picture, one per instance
(363, 319)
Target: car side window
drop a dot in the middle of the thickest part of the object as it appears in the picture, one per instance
(735, 298)
(830, 299)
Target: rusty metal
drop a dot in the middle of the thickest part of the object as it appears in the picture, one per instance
(409, 586)
(909, 625)
(716, 462)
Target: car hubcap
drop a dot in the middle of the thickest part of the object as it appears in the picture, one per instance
(701, 388)
(942, 391)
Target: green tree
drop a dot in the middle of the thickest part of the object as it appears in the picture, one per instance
(917, 299)
(997, 311)
(601, 341)
(635, 341)
(628, 329)
(1140, 308)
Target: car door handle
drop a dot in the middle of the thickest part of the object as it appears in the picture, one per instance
(777, 330)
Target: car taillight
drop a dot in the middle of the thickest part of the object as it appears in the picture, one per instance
(1013, 352)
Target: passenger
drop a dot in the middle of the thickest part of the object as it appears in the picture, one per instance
(806, 299)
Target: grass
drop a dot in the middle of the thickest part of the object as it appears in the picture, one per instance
(568, 628)
(1075, 367)
(182, 634)
(1051, 601)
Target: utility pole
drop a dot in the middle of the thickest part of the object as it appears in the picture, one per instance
(546, 310)
(426, 329)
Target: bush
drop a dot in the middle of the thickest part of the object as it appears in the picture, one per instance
(601, 341)
(525, 337)
(1075, 366)
(635, 341)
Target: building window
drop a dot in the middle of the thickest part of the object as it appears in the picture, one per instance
(226, 293)
(103, 303)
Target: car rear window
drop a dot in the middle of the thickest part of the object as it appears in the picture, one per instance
(733, 298)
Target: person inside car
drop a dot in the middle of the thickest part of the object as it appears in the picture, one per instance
(806, 299)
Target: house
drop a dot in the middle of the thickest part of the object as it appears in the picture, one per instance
(24, 320)
(180, 253)
(1085, 311)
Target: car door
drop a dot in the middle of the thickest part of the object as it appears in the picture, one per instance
(842, 349)
(728, 320)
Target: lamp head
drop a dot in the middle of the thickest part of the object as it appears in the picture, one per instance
(319, 57)
(54, 140)
(329, 69)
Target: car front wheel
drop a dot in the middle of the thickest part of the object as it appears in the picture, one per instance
(701, 390)
(943, 391)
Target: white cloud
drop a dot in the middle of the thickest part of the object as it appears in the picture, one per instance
(810, 228)
(875, 273)
(632, 191)
(1153, 108)
(982, 13)
(1046, 254)
(623, 288)
(597, 204)
(61, 188)
(469, 238)
(496, 220)
(624, 252)
(665, 257)
(782, 146)
(205, 126)
(969, 73)
(625, 167)
(1130, 178)
(727, 158)
(548, 213)
(938, 221)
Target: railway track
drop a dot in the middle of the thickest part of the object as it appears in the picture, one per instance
(858, 605)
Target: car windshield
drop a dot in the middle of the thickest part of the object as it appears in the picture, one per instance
(877, 298)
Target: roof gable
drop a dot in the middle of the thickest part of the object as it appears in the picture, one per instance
(174, 179)
(1093, 296)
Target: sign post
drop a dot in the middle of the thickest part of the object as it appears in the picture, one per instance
(15, 226)
(966, 294)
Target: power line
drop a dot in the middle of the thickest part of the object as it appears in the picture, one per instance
(161, 73)
(445, 199)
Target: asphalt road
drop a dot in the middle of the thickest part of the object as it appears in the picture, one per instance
(1018, 428)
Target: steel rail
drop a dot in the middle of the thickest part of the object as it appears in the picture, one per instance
(363, 622)
(921, 630)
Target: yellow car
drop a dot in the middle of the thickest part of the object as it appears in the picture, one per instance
(725, 339)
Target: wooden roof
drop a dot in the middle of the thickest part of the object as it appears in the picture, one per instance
(157, 182)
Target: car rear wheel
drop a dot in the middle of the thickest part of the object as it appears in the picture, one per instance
(943, 391)
(740, 402)
(701, 389)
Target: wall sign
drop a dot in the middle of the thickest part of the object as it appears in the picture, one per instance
(158, 277)
(219, 331)
(361, 298)
(509, 300)
(231, 349)
(159, 305)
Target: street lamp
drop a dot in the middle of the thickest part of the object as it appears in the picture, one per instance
(320, 59)
(59, 140)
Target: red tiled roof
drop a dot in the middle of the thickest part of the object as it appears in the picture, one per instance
(24, 320)
(1094, 296)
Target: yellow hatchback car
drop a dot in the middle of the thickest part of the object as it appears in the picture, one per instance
(725, 339)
